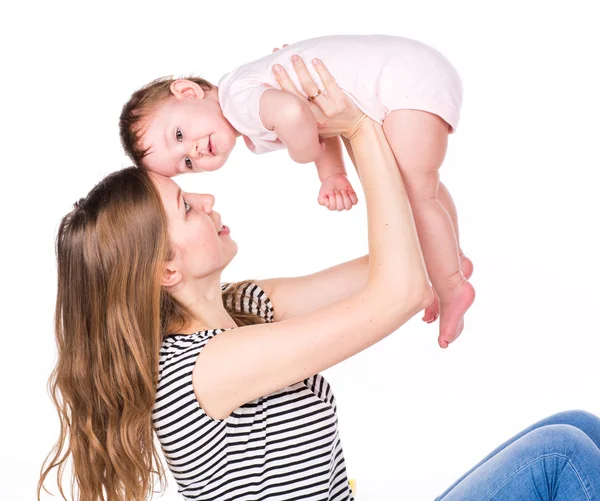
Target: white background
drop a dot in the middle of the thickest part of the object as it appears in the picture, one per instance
(523, 169)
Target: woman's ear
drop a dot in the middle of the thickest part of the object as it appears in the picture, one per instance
(171, 275)
(182, 87)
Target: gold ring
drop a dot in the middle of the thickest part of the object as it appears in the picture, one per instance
(312, 98)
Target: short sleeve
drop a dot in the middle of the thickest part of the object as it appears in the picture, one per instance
(239, 97)
(251, 299)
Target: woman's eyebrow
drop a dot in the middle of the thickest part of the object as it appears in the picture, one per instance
(178, 198)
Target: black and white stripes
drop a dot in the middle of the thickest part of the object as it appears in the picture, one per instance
(284, 446)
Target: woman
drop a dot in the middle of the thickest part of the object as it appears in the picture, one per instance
(147, 339)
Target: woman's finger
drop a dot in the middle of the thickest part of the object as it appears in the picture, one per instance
(325, 105)
(285, 82)
(329, 83)
(308, 84)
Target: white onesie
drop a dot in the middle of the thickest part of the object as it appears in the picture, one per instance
(380, 73)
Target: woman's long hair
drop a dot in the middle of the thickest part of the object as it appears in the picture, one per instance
(111, 314)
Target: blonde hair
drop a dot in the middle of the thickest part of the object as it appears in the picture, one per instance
(138, 109)
(111, 314)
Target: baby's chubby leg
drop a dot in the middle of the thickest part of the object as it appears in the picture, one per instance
(443, 195)
(432, 312)
(419, 141)
(466, 265)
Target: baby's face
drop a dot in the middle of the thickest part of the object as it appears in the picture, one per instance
(187, 135)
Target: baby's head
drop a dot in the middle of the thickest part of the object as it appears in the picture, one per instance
(175, 126)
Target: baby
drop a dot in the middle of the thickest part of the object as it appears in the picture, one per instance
(190, 125)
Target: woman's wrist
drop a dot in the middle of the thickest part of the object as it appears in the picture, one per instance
(364, 133)
(355, 127)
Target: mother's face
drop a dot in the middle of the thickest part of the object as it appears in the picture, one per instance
(200, 244)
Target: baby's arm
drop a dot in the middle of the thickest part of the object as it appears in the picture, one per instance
(293, 122)
(336, 192)
(332, 161)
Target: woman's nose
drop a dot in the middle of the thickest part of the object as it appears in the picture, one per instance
(208, 202)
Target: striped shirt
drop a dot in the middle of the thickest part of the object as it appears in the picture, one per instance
(283, 446)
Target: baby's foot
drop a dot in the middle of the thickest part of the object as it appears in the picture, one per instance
(452, 310)
(432, 312)
(466, 266)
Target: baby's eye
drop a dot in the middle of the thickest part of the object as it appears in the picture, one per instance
(188, 163)
(178, 135)
(186, 206)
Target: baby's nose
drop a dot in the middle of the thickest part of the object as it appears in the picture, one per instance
(199, 148)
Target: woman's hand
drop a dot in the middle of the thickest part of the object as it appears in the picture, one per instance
(334, 111)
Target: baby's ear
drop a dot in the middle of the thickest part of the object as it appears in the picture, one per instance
(181, 88)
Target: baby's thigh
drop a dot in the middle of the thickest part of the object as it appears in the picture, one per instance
(419, 141)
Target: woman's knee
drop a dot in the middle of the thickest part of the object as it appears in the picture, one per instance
(579, 418)
(559, 439)
(585, 421)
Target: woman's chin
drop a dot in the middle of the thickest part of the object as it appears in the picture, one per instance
(234, 249)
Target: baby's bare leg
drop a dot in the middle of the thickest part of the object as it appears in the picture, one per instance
(466, 265)
(419, 141)
(445, 199)
(433, 310)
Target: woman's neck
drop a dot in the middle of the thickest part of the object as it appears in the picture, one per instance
(205, 301)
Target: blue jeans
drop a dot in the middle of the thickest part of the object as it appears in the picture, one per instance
(556, 459)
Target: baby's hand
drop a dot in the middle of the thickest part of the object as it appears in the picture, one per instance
(337, 193)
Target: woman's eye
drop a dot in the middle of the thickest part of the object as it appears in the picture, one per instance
(178, 135)
(188, 162)
(186, 206)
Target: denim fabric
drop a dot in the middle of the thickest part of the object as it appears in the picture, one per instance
(556, 459)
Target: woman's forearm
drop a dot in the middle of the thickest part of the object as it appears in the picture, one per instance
(396, 262)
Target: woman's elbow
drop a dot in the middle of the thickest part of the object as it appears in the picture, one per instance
(404, 302)
(423, 298)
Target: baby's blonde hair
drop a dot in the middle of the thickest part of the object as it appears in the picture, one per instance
(138, 109)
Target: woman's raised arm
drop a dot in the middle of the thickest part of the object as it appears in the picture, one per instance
(242, 364)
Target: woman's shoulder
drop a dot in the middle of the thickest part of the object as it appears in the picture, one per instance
(246, 298)
(181, 345)
(178, 352)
